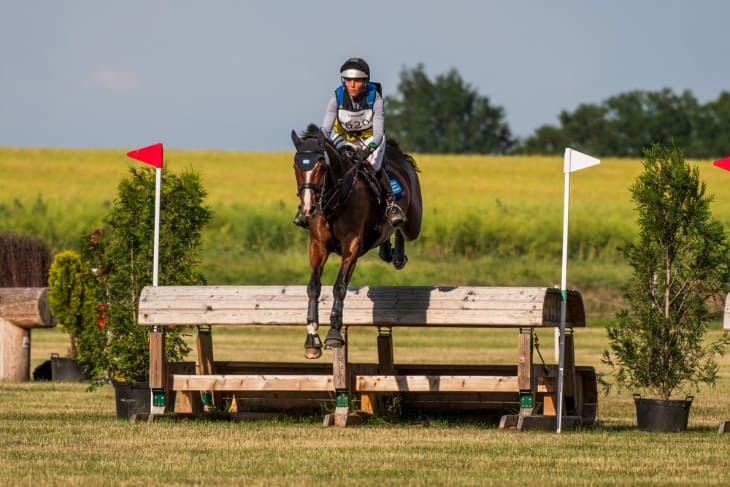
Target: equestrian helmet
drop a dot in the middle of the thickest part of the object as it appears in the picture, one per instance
(356, 68)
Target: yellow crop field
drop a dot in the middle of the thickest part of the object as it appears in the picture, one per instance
(488, 220)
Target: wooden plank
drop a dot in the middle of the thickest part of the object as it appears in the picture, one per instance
(252, 383)
(438, 383)
(352, 317)
(726, 314)
(386, 305)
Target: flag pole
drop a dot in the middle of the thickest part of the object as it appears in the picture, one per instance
(153, 155)
(563, 295)
(156, 253)
(572, 161)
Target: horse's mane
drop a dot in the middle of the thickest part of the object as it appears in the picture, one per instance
(395, 152)
(393, 148)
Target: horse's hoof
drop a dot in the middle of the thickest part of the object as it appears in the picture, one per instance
(312, 353)
(334, 339)
(312, 346)
(400, 263)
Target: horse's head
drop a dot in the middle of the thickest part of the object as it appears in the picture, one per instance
(310, 168)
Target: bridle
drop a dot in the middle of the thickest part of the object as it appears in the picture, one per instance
(306, 162)
(327, 195)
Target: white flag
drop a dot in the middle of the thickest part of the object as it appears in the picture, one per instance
(575, 161)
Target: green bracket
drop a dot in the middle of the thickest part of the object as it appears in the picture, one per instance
(526, 400)
(342, 400)
(158, 398)
(207, 398)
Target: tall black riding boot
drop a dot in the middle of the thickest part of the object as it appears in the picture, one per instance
(393, 212)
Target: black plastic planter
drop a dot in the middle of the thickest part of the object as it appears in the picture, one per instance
(663, 416)
(66, 370)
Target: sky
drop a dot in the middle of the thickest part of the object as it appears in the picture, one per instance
(240, 75)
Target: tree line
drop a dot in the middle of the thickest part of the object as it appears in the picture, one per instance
(448, 115)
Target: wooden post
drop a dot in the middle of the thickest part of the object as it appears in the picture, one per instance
(20, 310)
(341, 384)
(371, 402)
(158, 372)
(524, 372)
(385, 350)
(569, 381)
(14, 352)
(210, 400)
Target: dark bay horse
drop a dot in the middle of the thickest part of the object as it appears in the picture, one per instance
(345, 212)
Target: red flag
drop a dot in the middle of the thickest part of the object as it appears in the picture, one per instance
(152, 154)
(723, 163)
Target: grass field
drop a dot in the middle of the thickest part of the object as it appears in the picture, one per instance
(488, 221)
(59, 434)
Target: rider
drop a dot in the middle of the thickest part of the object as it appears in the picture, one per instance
(355, 118)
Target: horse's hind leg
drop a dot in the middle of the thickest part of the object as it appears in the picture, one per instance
(399, 251)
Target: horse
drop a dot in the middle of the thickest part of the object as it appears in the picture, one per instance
(345, 212)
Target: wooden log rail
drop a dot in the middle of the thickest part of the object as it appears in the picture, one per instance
(521, 308)
(20, 310)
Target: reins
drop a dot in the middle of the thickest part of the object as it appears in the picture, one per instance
(331, 195)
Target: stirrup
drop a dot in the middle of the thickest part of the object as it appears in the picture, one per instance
(395, 214)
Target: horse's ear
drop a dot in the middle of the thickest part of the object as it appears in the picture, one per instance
(321, 137)
(296, 140)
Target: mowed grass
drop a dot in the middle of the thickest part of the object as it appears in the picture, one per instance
(60, 434)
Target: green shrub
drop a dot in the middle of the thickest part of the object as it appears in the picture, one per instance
(679, 262)
(72, 299)
(123, 253)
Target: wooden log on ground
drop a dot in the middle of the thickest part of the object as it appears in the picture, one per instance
(26, 307)
(20, 310)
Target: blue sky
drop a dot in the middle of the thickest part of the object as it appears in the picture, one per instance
(240, 75)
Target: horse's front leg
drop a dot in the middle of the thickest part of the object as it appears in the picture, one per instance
(335, 339)
(317, 259)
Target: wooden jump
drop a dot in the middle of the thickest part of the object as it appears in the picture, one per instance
(386, 308)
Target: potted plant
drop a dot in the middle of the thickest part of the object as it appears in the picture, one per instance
(122, 254)
(72, 302)
(679, 263)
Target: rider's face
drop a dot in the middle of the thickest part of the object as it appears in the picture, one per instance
(354, 86)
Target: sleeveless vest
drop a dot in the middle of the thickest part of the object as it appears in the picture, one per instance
(355, 124)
